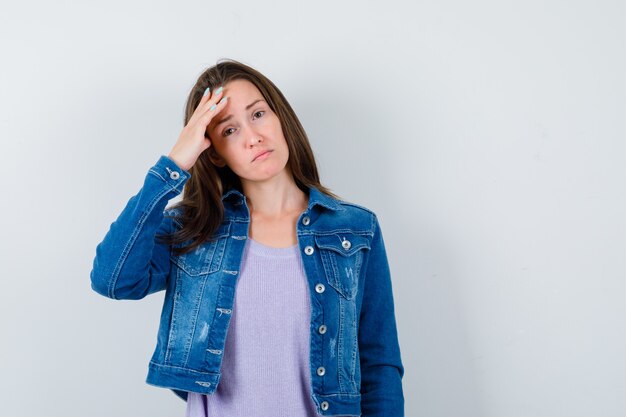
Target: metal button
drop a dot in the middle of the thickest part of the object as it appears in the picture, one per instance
(324, 405)
(174, 175)
(346, 244)
(322, 329)
(320, 288)
(308, 250)
(306, 220)
(321, 371)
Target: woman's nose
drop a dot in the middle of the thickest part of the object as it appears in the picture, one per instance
(253, 138)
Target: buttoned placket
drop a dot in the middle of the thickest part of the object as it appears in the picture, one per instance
(319, 288)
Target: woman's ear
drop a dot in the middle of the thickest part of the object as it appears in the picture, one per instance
(215, 158)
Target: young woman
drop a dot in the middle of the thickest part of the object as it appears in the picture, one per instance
(278, 297)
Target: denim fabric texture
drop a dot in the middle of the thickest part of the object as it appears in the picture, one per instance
(356, 366)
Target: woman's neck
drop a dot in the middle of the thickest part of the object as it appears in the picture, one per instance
(274, 200)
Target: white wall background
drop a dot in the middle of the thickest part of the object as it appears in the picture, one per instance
(488, 136)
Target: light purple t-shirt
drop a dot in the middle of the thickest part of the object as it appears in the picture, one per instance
(266, 364)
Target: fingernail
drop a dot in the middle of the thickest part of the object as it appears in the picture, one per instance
(219, 90)
(207, 91)
(223, 99)
(212, 107)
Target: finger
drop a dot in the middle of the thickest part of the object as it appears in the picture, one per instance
(212, 111)
(206, 101)
(200, 106)
(220, 103)
(216, 95)
(205, 97)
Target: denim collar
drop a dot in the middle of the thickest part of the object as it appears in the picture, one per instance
(316, 197)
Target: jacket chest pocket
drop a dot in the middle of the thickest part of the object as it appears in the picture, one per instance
(207, 257)
(342, 256)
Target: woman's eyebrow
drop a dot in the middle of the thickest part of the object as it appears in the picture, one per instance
(227, 118)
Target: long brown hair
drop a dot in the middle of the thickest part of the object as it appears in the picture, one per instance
(201, 211)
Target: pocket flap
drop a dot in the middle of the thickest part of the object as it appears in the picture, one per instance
(335, 242)
(207, 257)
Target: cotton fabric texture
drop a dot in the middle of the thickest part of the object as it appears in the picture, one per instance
(267, 345)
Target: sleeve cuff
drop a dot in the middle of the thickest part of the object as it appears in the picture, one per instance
(167, 170)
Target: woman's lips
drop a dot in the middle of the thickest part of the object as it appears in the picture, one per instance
(262, 156)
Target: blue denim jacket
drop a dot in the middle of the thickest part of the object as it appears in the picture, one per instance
(355, 357)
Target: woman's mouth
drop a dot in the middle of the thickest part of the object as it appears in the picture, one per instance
(262, 155)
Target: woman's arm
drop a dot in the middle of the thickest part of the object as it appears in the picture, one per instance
(129, 262)
(379, 350)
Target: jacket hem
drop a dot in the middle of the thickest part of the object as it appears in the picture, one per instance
(181, 380)
(339, 404)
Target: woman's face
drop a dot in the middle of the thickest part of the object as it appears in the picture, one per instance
(243, 129)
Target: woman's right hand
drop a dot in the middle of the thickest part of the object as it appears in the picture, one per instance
(193, 140)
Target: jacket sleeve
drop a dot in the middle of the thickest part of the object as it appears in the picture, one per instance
(379, 350)
(130, 263)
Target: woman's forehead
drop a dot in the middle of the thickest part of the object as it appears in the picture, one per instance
(241, 86)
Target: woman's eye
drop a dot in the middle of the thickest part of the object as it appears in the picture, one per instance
(255, 113)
